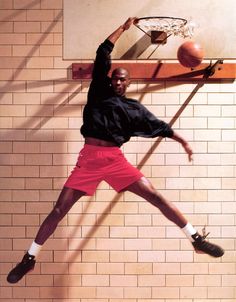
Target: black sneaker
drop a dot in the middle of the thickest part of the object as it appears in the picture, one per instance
(202, 246)
(27, 264)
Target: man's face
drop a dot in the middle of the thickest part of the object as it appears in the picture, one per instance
(120, 81)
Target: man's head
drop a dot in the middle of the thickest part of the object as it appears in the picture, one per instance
(120, 81)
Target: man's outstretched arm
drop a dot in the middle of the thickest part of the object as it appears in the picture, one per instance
(184, 143)
(118, 32)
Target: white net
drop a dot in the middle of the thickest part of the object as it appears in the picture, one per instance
(171, 26)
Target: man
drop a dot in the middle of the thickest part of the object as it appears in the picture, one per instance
(109, 120)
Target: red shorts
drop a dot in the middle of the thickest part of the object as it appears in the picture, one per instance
(96, 163)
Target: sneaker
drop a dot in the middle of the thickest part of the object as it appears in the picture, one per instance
(27, 264)
(202, 246)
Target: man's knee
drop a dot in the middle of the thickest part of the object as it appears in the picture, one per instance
(58, 213)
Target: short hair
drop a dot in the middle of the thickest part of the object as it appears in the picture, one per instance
(120, 70)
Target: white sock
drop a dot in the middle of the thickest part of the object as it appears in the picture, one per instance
(189, 231)
(34, 249)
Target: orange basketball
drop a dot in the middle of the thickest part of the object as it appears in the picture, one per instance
(190, 54)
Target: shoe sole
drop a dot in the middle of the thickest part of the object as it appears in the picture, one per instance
(13, 282)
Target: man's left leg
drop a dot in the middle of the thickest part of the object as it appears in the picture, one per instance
(144, 188)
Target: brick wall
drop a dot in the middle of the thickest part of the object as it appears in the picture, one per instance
(109, 248)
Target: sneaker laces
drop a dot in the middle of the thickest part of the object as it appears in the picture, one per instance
(204, 233)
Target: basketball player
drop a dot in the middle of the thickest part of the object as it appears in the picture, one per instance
(109, 120)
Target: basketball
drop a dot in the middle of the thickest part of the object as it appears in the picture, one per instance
(190, 54)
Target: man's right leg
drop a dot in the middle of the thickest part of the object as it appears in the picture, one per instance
(64, 203)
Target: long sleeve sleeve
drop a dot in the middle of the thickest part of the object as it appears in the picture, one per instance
(102, 64)
(148, 125)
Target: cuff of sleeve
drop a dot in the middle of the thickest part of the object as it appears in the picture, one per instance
(170, 133)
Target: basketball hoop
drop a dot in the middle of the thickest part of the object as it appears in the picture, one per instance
(160, 28)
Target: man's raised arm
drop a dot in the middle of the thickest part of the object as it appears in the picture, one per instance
(118, 32)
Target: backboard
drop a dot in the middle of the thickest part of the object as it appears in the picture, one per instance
(88, 22)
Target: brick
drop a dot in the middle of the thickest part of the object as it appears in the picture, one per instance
(179, 256)
(53, 4)
(151, 256)
(207, 280)
(180, 183)
(55, 123)
(11, 183)
(220, 147)
(38, 39)
(51, 51)
(165, 292)
(194, 268)
(95, 280)
(151, 232)
(69, 111)
(12, 62)
(123, 232)
(38, 183)
(171, 111)
(185, 280)
(40, 15)
(25, 171)
(40, 159)
(138, 268)
(101, 232)
(110, 268)
(37, 280)
(5, 171)
(6, 75)
(113, 220)
(193, 171)
(123, 256)
(12, 110)
(5, 244)
(5, 219)
(5, 293)
(193, 195)
(228, 280)
(207, 183)
(25, 220)
(205, 111)
(48, 74)
(12, 232)
(70, 256)
(45, 86)
(221, 268)
(109, 292)
(228, 231)
(207, 135)
(54, 268)
(23, 27)
(138, 220)
(12, 38)
(135, 292)
(123, 281)
(6, 98)
(47, 292)
(138, 244)
(53, 27)
(110, 244)
(193, 292)
(83, 268)
(221, 219)
(5, 4)
(26, 147)
(221, 292)
(22, 4)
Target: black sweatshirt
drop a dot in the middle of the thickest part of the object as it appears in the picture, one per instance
(115, 118)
